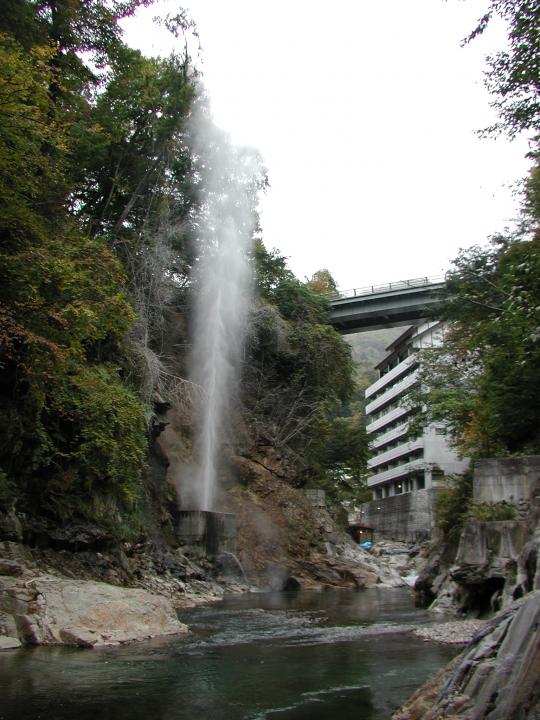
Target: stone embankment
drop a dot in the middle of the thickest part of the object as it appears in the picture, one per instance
(495, 678)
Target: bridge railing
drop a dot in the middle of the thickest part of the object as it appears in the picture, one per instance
(399, 285)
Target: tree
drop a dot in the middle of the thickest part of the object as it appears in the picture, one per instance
(322, 282)
(513, 75)
(485, 382)
(74, 100)
(299, 371)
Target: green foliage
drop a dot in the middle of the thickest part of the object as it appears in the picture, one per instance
(81, 438)
(513, 74)
(130, 155)
(92, 159)
(485, 382)
(29, 177)
(271, 270)
(296, 302)
(105, 428)
(489, 512)
(342, 458)
(322, 282)
(452, 507)
(299, 374)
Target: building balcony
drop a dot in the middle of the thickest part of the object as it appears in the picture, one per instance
(391, 375)
(388, 437)
(397, 452)
(397, 472)
(393, 392)
(386, 419)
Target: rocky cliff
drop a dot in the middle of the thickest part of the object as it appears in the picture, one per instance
(495, 678)
(495, 561)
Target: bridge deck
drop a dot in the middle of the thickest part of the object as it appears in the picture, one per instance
(383, 306)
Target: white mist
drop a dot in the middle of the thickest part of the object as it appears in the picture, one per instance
(222, 285)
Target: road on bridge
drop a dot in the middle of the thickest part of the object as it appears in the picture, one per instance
(384, 306)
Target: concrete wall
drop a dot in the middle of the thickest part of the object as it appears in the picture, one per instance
(506, 479)
(408, 517)
(438, 452)
(411, 516)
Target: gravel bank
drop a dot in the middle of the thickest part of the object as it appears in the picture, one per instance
(457, 632)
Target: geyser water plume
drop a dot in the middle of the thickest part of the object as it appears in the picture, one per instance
(222, 285)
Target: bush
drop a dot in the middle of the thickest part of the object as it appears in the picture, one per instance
(101, 423)
(492, 511)
(453, 505)
(85, 446)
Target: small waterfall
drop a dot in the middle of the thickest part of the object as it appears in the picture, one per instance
(222, 283)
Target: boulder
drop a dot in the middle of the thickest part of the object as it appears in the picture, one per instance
(496, 677)
(53, 610)
(10, 567)
(9, 643)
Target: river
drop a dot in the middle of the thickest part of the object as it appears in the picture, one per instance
(275, 656)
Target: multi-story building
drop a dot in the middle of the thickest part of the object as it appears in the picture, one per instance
(401, 464)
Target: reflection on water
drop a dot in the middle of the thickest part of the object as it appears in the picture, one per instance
(276, 656)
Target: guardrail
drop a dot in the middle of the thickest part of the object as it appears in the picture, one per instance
(399, 285)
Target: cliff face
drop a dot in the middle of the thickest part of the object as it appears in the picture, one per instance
(495, 562)
(286, 541)
(495, 678)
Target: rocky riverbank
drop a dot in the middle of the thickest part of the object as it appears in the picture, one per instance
(48, 609)
(459, 632)
(496, 676)
(39, 605)
(76, 586)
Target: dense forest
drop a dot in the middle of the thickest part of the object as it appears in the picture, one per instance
(99, 216)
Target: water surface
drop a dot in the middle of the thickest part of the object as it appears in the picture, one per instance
(276, 656)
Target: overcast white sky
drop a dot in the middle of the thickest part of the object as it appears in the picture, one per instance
(365, 115)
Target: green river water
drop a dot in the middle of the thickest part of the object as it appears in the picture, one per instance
(275, 656)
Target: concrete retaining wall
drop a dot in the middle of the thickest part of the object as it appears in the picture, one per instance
(506, 479)
(409, 517)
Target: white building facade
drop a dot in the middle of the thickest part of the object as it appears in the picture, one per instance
(400, 463)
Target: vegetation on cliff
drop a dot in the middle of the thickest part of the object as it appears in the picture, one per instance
(99, 208)
(300, 375)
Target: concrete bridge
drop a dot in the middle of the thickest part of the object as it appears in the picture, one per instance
(384, 306)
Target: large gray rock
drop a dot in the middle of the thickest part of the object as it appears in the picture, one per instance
(52, 610)
(495, 678)
(9, 643)
(495, 563)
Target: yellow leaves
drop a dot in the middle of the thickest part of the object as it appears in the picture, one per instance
(96, 129)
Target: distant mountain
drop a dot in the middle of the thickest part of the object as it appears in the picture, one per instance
(368, 349)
